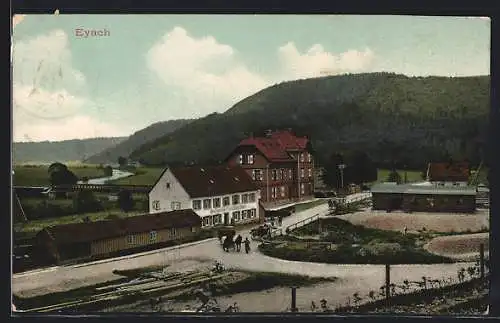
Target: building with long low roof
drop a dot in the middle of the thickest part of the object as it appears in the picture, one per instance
(419, 198)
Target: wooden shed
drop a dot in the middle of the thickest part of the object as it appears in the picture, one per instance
(424, 198)
(96, 240)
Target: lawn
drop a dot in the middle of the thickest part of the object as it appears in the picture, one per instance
(37, 225)
(37, 175)
(143, 176)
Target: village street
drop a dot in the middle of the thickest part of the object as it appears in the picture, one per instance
(352, 278)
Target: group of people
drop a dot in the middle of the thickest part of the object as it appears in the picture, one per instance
(236, 243)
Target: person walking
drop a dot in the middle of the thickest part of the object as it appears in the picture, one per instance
(247, 245)
(238, 241)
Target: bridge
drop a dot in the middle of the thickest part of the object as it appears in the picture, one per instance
(106, 188)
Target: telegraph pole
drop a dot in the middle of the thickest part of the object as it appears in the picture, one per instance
(341, 168)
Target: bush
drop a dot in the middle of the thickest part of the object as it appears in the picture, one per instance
(85, 202)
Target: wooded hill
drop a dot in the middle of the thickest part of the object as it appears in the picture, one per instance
(136, 140)
(63, 151)
(394, 118)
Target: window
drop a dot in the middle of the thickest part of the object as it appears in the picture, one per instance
(250, 159)
(131, 239)
(217, 202)
(282, 191)
(251, 197)
(225, 201)
(175, 205)
(153, 236)
(309, 157)
(278, 174)
(456, 184)
(236, 215)
(207, 203)
(273, 192)
(243, 214)
(290, 175)
(217, 219)
(253, 213)
(244, 198)
(167, 185)
(301, 157)
(174, 232)
(156, 205)
(236, 199)
(460, 201)
(196, 204)
(310, 172)
(283, 174)
(302, 189)
(273, 175)
(257, 175)
(193, 229)
(240, 159)
(302, 173)
(206, 221)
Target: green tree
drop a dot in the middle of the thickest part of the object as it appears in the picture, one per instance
(85, 202)
(59, 174)
(331, 172)
(125, 200)
(394, 177)
(122, 161)
(360, 168)
(108, 171)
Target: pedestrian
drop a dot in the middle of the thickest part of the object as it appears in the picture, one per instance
(280, 220)
(247, 245)
(237, 241)
(406, 230)
(313, 306)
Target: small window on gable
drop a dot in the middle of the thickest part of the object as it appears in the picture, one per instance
(250, 159)
(167, 185)
(153, 235)
(240, 159)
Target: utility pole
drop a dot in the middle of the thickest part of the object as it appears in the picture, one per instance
(341, 168)
(298, 176)
(293, 307)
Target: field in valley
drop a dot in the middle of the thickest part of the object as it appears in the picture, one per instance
(37, 175)
(143, 176)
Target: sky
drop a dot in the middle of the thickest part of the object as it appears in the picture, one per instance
(70, 83)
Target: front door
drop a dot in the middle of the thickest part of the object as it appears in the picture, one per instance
(226, 218)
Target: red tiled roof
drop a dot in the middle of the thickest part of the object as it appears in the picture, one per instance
(199, 181)
(94, 231)
(276, 146)
(449, 172)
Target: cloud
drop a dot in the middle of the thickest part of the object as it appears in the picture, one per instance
(316, 61)
(202, 70)
(16, 19)
(47, 100)
(206, 76)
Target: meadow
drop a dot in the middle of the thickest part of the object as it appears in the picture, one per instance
(143, 176)
(37, 175)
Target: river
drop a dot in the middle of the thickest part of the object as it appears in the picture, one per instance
(117, 174)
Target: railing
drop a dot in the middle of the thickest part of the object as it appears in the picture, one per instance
(302, 222)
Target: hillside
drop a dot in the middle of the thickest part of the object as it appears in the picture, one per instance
(409, 120)
(62, 151)
(136, 140)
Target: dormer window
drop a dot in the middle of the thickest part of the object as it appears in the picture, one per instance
(250, 159)
(240, 159)
(309, 157)
(301, 157)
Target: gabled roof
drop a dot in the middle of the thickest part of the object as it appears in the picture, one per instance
(208, 181)
(277, 145)
(93, 231)
(448, 172)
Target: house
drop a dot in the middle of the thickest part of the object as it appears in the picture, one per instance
(218, 194)
(94, 240)
(280, 164)
(448, 174)
(418, 198)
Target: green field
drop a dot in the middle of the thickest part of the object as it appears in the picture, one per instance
(143, 176)
(37, 175)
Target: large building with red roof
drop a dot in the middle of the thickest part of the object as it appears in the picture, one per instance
(280, 163)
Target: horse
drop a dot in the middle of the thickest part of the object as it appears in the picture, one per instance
(228, 244)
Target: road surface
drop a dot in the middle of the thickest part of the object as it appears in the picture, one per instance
(117, 174)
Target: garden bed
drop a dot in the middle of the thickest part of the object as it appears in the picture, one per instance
(343, 242)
